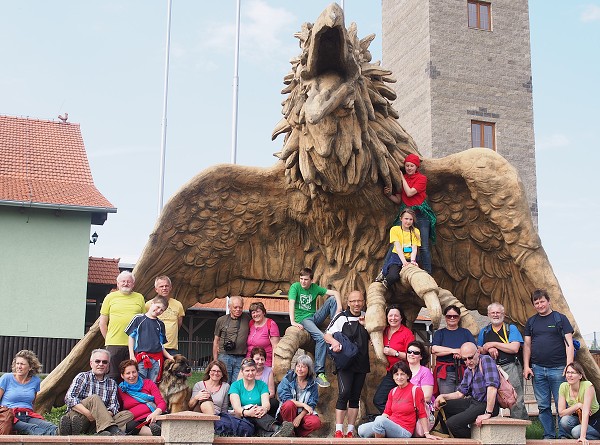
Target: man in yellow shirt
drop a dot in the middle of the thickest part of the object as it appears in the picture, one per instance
(172, 317)
(118, 308)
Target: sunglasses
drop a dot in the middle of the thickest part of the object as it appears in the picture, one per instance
(452, 317)
(410, 351)
(104, 362)
(248, 361)
(470, 357)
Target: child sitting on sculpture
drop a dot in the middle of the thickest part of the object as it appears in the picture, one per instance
(405, 240)
(302, 298)
(413, 195)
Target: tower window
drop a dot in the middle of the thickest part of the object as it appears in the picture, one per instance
(483, 134)
(480, 15)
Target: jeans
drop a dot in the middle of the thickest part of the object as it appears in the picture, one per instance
(311, 325)
(385, 426)
(515, 377)
(384, 388)
(149, 373)
(546, 382)
(449, 384)
(570, 424)
(423, 253)
(35, 427)
(233, 364)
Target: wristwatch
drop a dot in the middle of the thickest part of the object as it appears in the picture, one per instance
(397, 354)
(487, 412)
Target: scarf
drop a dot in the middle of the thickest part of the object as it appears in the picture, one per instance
(135, 391)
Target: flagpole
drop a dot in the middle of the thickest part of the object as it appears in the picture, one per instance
(163, 145)
(234, 119)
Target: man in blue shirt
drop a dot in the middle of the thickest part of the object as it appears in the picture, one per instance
(475, 398)
(502, 341)
(547, 350)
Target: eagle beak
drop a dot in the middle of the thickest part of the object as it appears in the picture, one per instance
(328, 47)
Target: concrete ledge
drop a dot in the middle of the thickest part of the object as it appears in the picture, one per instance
(188, 427)
(332, 441)
(82, 440)
(501, 430)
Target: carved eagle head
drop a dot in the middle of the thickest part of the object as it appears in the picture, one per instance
(341, 131)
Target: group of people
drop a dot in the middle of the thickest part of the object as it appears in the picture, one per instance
(239, 385)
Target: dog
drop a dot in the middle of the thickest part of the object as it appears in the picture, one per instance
(173, 385)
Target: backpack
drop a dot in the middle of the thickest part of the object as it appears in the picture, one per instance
(506, 394)
(344, 358)
(561, 331)
(418, 432)
(229, 425)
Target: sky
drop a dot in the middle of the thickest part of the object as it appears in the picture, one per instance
(103, 63)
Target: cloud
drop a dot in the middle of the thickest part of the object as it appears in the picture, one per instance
(556, 140)
(265, 32)
(591, 13)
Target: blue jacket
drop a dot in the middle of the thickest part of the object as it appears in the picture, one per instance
(288, 390)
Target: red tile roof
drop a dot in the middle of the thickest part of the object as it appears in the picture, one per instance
(273, 304)
(103, 270)
(45, 162)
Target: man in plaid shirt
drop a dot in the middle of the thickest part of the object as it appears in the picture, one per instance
(475, 398)
(91, 400)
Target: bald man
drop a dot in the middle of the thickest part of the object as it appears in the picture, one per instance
(480, 382)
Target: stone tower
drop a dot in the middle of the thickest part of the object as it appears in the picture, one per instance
(464, 77)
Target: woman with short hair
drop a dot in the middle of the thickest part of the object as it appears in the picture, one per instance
(263, 332)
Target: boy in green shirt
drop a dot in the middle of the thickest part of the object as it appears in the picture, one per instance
(303, 314)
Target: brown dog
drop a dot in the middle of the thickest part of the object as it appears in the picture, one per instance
(173, 386)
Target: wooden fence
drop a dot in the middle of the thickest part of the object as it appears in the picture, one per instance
(50, 351)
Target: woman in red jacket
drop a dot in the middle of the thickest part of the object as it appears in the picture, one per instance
(142, 398)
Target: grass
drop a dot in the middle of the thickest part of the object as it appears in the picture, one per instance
(56, 413)
(535, 430)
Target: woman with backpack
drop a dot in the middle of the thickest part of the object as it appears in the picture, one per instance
(263, 332)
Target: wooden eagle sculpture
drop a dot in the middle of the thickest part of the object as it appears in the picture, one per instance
(235, 230)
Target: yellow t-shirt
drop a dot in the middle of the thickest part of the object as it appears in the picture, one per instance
(170, 318)
(120, 309)
(405, 238)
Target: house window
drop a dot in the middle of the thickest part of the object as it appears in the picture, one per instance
(480, 15)
(483, 134)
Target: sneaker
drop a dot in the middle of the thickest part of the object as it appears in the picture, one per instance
(350, 435)
(155, 428)
(64, 426)
(76, 425)
(103, 433)
(114, 430)
(338, 435)
(322, 380)
(380, 277)
(286, 429)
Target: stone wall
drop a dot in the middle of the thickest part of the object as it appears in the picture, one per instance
(449, 74)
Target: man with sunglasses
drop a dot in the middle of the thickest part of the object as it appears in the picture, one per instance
(91, 400)
(502, 341)
(475, 398)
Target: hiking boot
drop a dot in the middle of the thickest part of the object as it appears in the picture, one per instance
(322, 380)
(338, 435)
(76, 425)
(286, 429)
(103, 433)
(64, 426)
(155, 428)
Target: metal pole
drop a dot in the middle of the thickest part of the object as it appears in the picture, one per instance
(236, 79)
(163, 145)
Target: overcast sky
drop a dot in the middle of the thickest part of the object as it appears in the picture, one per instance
(103, 63)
